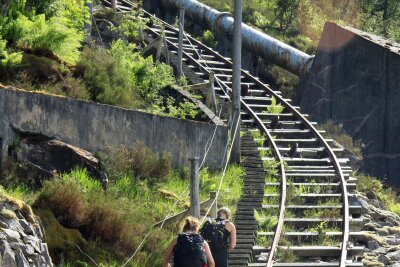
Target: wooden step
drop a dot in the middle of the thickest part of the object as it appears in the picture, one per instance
(354, 209)
(307, 264)
(314, 251)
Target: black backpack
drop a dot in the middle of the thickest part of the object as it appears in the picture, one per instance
(189, 251)
(213, 231)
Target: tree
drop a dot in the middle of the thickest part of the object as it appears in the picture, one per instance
(285, 13)
(381, 16)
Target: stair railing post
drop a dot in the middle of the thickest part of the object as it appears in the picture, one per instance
(180, 41)
(160, 44)
(166, 49)
(194, 187)
(212, 92)
(213, 210)
(114, 4)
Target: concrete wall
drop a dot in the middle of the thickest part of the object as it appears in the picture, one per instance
(355, 80)
(94, 126)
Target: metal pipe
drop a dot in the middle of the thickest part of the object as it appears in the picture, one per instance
(236, 71)
(88, 23)
(260, 43)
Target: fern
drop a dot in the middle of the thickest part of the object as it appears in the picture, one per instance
(8, 61)
(266, 222)
(38, 34)
(274, 107)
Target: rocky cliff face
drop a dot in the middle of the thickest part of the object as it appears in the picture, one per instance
(381, 233)
(22, 240)
(355, 80)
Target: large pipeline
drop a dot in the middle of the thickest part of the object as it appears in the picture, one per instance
(275, 51)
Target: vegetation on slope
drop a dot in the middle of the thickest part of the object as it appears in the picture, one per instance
(375, 188)
(109, 226)
(42, 49)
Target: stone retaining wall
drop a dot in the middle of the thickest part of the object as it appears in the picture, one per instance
(93, 126)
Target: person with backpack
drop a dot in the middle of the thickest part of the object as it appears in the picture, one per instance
(221, 236)
(189, 248)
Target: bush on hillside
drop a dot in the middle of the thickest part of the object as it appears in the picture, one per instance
(208, 39)
(113, 220)
(385, 194)
(139, 161)
(71, 13)
(106, 79)
(122, 76)
(147, 77)
(336, 132)
(43, 37)
(8, 61)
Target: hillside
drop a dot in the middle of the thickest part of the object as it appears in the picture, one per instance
(291, 192)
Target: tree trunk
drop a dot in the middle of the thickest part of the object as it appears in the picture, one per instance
(385, 18)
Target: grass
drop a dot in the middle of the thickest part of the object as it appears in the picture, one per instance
(267, 219)
(259, 136)
(384, 194)
(264, 241)
(111, 227)
(286, 255)
(271, 190)
(336, 132)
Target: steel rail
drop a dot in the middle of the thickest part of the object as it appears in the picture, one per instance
(298, 115)
(275, 150)
(334, 159)
(260, 124)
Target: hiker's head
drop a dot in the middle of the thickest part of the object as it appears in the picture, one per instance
(191, 224)
(224, 213)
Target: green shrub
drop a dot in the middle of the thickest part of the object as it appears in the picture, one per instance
(267, 221)
(44, 37)
(336, 132)
(147, 164)
(130, 25)
(184, 110)
(73, 13)
(8, 61)
(147, 77)
(208, 39)
(105, 77)
(395, 208)
(274, 107)
(122, 76)
(385, 195)
(139, 160)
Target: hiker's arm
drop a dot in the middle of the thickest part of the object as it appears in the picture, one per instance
(232, 237)
(168, 253)
(210, 259)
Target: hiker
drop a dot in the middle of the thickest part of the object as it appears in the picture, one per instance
(189, 248)
(221, 236)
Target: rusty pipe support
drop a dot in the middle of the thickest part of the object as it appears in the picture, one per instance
(271, 49)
